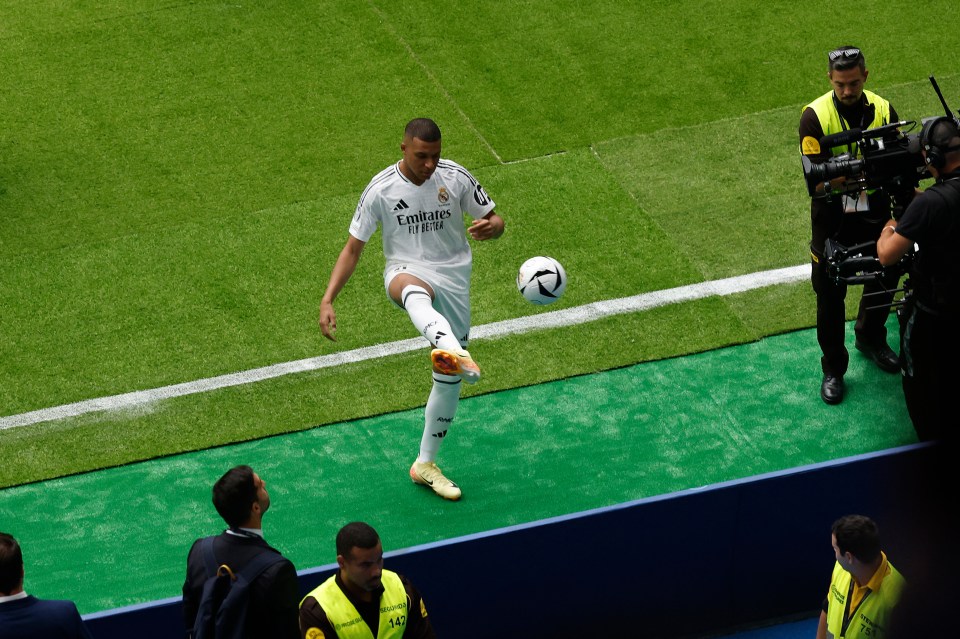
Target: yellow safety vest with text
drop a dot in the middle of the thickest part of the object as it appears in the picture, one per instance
(830, 120)
(871, 618)
(348, 623)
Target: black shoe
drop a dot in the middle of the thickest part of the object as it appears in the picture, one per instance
(831, 390)
(883, 356)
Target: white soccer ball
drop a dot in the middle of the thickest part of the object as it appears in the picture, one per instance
(541, 280)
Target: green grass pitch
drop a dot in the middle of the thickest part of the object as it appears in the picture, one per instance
(176, 180)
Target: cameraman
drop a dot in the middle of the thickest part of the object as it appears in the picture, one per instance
(928, 333)
(848, 220)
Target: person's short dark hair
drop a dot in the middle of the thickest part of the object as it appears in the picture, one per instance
(423, 128)
(846, 57)
(356, 534)
(11, 563)
(234, 495)
(859, 536)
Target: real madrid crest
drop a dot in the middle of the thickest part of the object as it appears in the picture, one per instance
(442, 195)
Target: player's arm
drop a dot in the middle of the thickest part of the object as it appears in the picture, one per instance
(489, 227)
(342, 270)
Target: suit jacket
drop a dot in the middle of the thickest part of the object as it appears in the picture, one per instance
(32, 618)
(273, 612)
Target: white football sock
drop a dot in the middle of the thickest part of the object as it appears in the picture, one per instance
(430, 323)
(438, 415)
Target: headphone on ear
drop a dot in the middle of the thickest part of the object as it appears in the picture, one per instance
(936, 155)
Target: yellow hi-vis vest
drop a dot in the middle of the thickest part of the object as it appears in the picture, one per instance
(872, 616)
(348, 623)
(830, 122)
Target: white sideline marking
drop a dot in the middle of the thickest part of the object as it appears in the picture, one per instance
(553, 319)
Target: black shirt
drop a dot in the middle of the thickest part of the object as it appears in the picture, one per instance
(932, 221)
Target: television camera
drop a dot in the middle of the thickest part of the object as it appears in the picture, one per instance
(889, 159)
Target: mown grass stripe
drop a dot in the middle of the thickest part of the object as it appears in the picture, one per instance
(553, 319)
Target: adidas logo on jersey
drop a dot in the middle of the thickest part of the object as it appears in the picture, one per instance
(401, 205)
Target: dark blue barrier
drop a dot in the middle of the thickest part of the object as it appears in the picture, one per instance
(725, 556)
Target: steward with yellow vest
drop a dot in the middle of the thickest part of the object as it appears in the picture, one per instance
(363, 601)
(849, 220)
(865, 587)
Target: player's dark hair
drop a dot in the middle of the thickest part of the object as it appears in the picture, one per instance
(356, 534)
(11, 563)
(846, 57)
(859, 536)
(423, 128)
(234, 495)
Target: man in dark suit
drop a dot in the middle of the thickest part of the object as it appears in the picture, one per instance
(241, 498)
(23, 616)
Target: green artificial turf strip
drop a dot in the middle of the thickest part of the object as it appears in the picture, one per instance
(296, 402)
(520, 455)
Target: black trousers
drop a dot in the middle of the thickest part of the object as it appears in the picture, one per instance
(929, 351)
(871, 321)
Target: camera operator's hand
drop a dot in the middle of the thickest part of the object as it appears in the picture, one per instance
(836, 186)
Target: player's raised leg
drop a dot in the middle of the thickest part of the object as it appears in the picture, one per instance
(416, 297)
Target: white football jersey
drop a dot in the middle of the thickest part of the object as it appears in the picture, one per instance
(423, 225)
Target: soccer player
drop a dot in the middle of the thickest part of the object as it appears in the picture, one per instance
(420, 203)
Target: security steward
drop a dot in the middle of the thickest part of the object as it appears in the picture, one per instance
(848, 220)
(865, 588)
(928, 332)
(362, 600)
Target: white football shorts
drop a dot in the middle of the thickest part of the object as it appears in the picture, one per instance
(450, 298)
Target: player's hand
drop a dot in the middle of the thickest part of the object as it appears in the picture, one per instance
(484, 229)
(328, 321)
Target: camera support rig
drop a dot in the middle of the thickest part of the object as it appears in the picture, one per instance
(858, 264)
